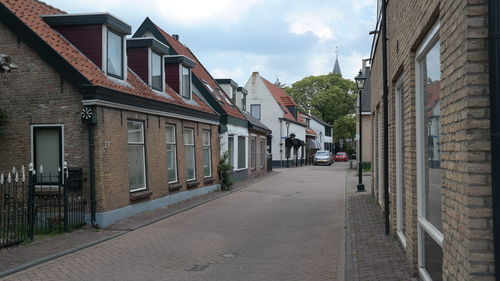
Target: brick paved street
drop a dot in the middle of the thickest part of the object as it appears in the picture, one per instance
(372, 255)
(286, 227)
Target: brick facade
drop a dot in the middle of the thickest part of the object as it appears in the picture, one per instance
(465, 130)
(36, 94)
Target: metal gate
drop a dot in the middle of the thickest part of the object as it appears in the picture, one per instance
(40, 203)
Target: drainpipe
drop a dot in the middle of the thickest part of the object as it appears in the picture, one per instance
(386, 117)
(494, 64)
(89, 117)
(93, 201)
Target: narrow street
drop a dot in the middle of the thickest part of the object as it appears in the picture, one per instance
(286, 227)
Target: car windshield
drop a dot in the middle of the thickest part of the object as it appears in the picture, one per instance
(322, 153)
(341, 153)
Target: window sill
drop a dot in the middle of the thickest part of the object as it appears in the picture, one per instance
(175, 186)
(192, 184)
(139, 195)
(240, 169)
(208, 180)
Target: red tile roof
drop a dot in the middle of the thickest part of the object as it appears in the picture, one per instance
(284, 100)
(311, 132)
(201, 72)
(30, 12)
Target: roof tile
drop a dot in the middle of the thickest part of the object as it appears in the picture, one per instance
(200, 71)
(30, 12)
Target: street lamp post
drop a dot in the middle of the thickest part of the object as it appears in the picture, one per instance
(360, 84)
(287, 124)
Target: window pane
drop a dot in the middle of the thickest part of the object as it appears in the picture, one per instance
(433, 258)
(190, 162)
(432, 126)
(206, 162)
(262, 152)
(206, 137)
(170, 134)
(186, 83)
(115, 59)
(48, 150)
(230, 149)
(156, 77)
(252, 152)
(135, 133)
(188, 136)
(171, 163)
(255, 110)
(136, 167)
(241, 153)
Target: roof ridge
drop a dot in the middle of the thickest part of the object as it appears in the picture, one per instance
(52, 7)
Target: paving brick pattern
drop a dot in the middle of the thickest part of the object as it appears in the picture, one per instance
(286, 227)
(374, 255)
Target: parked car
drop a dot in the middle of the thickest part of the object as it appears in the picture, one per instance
(341, 157)
(323, 157)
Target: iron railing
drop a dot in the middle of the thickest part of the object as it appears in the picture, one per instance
(41, 203)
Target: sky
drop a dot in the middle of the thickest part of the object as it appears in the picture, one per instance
(285, 39)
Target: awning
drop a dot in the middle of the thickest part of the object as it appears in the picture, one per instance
(313, 144)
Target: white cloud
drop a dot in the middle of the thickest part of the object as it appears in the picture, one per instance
(192, 12)
(300, 24)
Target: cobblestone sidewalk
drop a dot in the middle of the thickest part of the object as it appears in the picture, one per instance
(48, 247)
(370, 254)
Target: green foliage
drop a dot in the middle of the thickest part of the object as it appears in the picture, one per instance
(327, 96)
(366, 166)
(3, 122)
(225, 172)
(345, 127)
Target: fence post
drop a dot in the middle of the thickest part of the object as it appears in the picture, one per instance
(31, 201)
(64, 177)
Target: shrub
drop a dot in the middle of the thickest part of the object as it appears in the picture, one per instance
(225, 172)
(366, 166)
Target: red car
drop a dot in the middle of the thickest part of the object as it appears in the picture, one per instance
(341, 157)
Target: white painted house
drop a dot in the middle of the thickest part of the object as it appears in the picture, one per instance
(273, 107)
(323, 130)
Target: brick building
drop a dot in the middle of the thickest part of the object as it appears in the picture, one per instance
(441, 186)
(155, 138)
(234, 135)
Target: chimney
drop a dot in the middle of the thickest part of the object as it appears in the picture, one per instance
(175, 36)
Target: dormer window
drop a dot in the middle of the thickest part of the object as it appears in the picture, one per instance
(178, 74)
(114, 55)
(145, 58)
(186, 83)
(156, 71)
(99, 36)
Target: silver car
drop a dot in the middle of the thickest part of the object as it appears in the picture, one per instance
(323, 157)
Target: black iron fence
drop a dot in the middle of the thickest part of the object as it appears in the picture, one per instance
(40, 202)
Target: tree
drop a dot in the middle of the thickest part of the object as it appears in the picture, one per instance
(345, 127)
(327, 96)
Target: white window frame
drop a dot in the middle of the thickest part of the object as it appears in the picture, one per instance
(143, 143)
(231, 156)
(162, 70)
(253, 162)
(209, 147)
(423, 224)
(237, 168)
(262, 140)
(194, 151)
(181, 84)
(399, 161)
(123, 52)
(260, 110)
(174, 150)
(32, 142)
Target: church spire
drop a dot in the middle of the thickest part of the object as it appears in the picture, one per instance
(336, 68)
